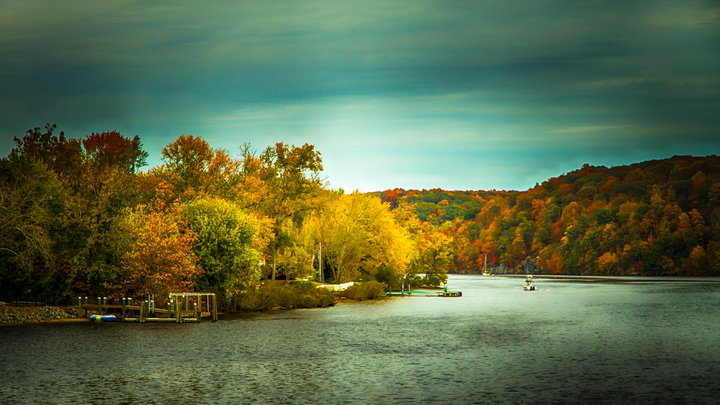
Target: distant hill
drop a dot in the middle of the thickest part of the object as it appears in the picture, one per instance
(659, 217)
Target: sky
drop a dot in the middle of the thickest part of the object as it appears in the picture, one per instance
(417, 94)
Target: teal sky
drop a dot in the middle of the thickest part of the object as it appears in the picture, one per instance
(407, 93)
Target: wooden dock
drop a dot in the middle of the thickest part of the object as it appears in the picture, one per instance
(180, 308)
(422, 293)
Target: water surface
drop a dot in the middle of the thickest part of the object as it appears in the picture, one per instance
(569, 342)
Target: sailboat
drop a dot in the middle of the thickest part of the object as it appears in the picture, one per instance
(485, 270)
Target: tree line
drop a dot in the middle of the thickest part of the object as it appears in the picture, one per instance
(78, 217)
(660, 217)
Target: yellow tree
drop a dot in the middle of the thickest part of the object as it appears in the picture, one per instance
(433, 254)
(297, 259)
(359, 234)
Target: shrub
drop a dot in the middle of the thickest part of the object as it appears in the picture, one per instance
(388, 276)
(433, 280)
(364, 291)
(281, 295)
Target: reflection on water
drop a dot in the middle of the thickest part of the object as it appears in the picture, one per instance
(566, 343)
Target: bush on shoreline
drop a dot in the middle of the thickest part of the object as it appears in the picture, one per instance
(365, 291)
(282, 295)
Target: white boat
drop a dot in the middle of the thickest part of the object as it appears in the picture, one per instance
(529, 285)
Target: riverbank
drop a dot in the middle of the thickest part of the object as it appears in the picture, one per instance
(272, 296)
(14, 315)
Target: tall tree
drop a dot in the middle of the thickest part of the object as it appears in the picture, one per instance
(289, 179)
(107, 184)
(112, 150)
(194, 169)
(30, 202)
(359, 234)
(229, 245)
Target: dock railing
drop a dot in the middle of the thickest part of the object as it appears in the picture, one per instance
(180, 308)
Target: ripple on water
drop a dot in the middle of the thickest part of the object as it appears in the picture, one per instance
(567, 343)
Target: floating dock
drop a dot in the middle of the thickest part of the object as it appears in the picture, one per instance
(425, 293)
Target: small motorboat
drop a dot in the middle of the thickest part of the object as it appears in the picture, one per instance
(103, 318)
(529, 285)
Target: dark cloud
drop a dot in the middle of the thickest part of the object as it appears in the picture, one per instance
(587, 76)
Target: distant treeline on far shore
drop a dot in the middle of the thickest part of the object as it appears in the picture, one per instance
(660, 217)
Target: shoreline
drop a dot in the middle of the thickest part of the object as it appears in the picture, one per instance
(619, 279)
(27, 315)
(13, 315)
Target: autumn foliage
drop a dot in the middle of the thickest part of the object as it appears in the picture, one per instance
(160, 259)
(79, 217)
(658, 217)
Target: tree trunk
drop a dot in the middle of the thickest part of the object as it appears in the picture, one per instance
(274, 266)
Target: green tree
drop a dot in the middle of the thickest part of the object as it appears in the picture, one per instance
(107, 185)
(229, 245)
(30, 202)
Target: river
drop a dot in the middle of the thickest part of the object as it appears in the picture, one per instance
(569, 342)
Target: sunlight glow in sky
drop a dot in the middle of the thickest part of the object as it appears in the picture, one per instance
(406, 93)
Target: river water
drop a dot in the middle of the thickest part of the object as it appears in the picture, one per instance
(568, 342)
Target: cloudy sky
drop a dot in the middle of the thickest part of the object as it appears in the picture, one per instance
(406, 93)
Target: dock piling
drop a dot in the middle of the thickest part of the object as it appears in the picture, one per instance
(178, 311)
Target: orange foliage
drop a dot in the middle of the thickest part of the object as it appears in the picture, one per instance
(161, 259)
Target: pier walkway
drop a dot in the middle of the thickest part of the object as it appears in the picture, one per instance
(180, 308)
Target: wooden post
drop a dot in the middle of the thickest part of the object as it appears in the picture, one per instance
(214, 308)
(178, 311)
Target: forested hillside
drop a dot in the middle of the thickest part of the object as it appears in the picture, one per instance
(659, 217)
